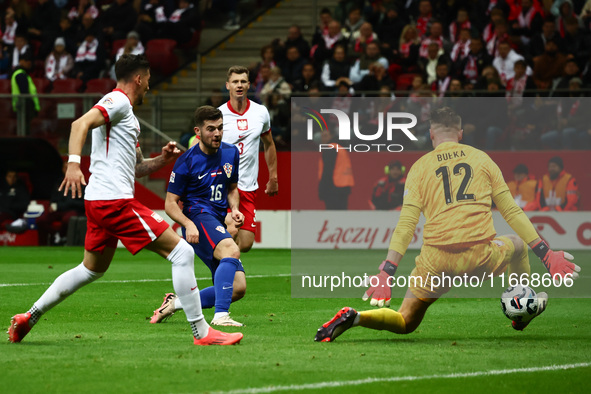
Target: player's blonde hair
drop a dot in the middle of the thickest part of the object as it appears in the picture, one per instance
(446, 118)
(237, 70)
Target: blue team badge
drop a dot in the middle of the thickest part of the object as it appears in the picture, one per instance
(221, 229)
(228, 169)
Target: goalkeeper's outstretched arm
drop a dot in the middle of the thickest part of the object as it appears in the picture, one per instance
(557, 263)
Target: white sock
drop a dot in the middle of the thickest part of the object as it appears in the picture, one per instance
(217, 315)
(65, 284)
(178, 305)
(185, 286)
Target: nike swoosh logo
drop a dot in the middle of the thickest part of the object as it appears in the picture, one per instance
(201, 176)
(242, 136)
(226, 288)
(253, 225)
(193, 288)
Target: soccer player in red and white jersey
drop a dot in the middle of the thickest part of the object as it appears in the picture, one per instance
(113, 212)
(245, 124)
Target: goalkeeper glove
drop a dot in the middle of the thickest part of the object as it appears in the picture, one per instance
(557, 263)
(381, 293)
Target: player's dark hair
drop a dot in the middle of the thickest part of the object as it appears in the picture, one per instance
(237, 70)
(446, 117)
(128, 65)
(206, 112)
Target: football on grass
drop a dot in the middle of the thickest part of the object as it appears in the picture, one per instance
(519, 303)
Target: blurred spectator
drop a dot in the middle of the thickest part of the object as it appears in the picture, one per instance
(335, 173)
(292, 67)
(275, 96)
(441, 83)
(21, 50)
(275, 86)
(267, 58)
(573, 121)
(133, 46)
(501, 35)
(563, 10)
(152, 19)
(388, 191)
(14, 198)
(462, 22)
(521, 85)
(5, 66)
(264, 74)
(22, 11)
(9, 29)
(360, 39)
(424, 18)
(325, 48)
(233, 22)
(322, 28)
(505, 61)
(557, 190)
(408, 48)
(529, 21)
(44, 25)
(375, 80)
(389, 29)
(496, 16)
(488, 73)
(294, 39)
(68, 33)
(353, 23)
(523, 187)
(548, 65)
(88, 25)
(182, 22)
(455, 88)
(428, 64)
(538, 41)
(90, 58)
(560, 85)
(461, 48)
(119, 19)
(62, 209)
(343, 101)
(307, 79)
(586, 14)
(435, 36)
(83, 7)
(22, 83)
(577, 42)
(361, 67)
(335, 69)
(59, 63)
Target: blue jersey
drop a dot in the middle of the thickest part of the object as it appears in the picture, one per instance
(202, 180)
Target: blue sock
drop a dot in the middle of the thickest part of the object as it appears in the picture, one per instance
(224, 283)
(207, 297)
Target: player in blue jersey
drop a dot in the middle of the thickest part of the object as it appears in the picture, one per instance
(205, 179)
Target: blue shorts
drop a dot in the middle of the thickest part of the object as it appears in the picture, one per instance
(211, 233)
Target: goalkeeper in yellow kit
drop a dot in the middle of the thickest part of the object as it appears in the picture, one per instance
(454, 186)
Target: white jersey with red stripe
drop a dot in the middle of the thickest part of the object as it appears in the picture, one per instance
(245, 131)
(113, 156)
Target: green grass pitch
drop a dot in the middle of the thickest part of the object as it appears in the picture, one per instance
(99, 340)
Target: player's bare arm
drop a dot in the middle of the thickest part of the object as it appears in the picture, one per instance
(74, 178)
(272, 187)
(171, 206)
(145, 166)
(234, 203)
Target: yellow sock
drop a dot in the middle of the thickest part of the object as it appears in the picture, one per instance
(520, 263)
(383, 319)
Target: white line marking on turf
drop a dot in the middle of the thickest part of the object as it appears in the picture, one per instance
(138, 280)
(321, 385)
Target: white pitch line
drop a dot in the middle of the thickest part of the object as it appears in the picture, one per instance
(138, 280)
(321, 385)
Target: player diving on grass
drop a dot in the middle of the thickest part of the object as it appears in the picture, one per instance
(205, 179)
(113, 212)
(454, 186)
